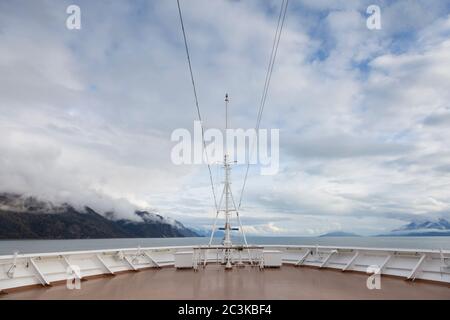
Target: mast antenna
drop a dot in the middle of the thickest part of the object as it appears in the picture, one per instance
(230, 205)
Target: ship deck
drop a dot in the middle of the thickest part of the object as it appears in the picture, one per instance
(214, 282)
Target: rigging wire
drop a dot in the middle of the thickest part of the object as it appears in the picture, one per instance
(197, 104)
(273, 55)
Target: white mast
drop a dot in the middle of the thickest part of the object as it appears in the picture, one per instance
(229, 205)
(227, 229)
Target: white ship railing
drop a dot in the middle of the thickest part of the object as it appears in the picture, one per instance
(22, 270)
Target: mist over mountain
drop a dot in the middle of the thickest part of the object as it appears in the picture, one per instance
(26, 217)
(423, 227)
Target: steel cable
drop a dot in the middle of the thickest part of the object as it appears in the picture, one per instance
(197, 104)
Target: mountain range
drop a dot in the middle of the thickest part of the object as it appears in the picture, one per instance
(24, 217)
(439, 227)
(339, 234)
(27, 217)
(417, 228)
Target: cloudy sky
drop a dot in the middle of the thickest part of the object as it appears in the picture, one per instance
(364, 115)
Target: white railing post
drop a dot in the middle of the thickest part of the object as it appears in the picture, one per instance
(416, 268)
(349, 264)
(38, 272)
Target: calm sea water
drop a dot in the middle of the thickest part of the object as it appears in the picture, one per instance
(39, 246)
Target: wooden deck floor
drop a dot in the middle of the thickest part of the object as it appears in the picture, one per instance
(245, 283)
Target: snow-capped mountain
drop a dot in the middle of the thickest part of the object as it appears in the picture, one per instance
(438, 227)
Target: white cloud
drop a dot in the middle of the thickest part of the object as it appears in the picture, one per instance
(86, 116)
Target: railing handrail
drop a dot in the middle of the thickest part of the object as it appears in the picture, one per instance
(79, 252)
